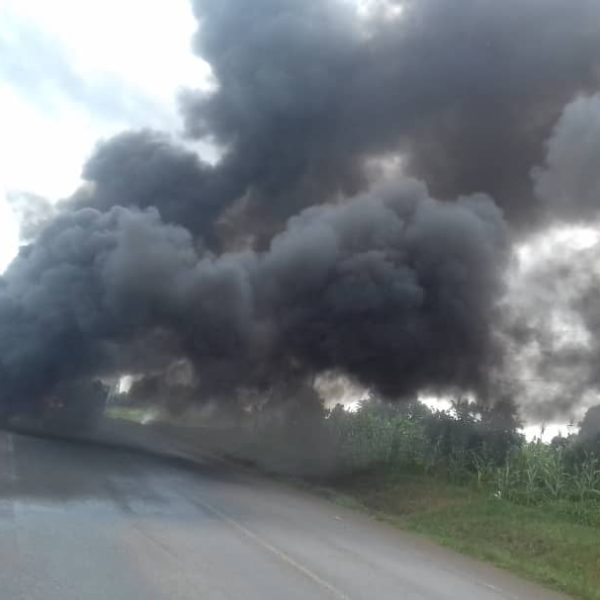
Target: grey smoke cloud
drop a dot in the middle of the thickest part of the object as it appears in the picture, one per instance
(308, 93)
(288, 258)
(569, 182)
(552, 307)
(394, 288)
(551, 326)
(467, 91)
(148, 169)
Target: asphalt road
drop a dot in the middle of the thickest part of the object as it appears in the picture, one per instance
(86, 522)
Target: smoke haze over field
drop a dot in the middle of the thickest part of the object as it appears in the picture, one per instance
(376, 172)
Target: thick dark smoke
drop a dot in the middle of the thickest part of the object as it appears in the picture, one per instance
(393, 288)
(299, 252)
(146, 169)
(466, 91)
(308, 94)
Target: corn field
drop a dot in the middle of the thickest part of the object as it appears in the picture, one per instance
(466, 449)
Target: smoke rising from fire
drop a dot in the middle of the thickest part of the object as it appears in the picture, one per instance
(291, 257)
(394, 288)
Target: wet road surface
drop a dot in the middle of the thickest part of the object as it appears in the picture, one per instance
(86, 522)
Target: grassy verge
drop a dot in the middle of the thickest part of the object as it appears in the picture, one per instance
(557, 544)
(134, 415)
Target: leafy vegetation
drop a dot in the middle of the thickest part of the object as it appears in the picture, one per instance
(471, 481)
(466, 446)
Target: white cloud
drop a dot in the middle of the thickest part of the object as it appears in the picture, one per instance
(77, 71)
(148, 44)
(386, 9)
(548, 431)
(8, 233)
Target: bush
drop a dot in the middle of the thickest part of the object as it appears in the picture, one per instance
(466, 446)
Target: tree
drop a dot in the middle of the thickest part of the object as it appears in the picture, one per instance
(589, 428)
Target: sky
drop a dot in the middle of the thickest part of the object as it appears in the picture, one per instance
(62, 79)
(71, 72)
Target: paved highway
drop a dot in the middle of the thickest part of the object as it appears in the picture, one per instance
(89, 522)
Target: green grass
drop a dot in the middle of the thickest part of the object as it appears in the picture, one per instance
(557, 543)
(135, 415)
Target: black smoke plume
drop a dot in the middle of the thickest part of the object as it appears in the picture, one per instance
(300, 252)
(309, 95)
(466, 91)
(393, 288)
